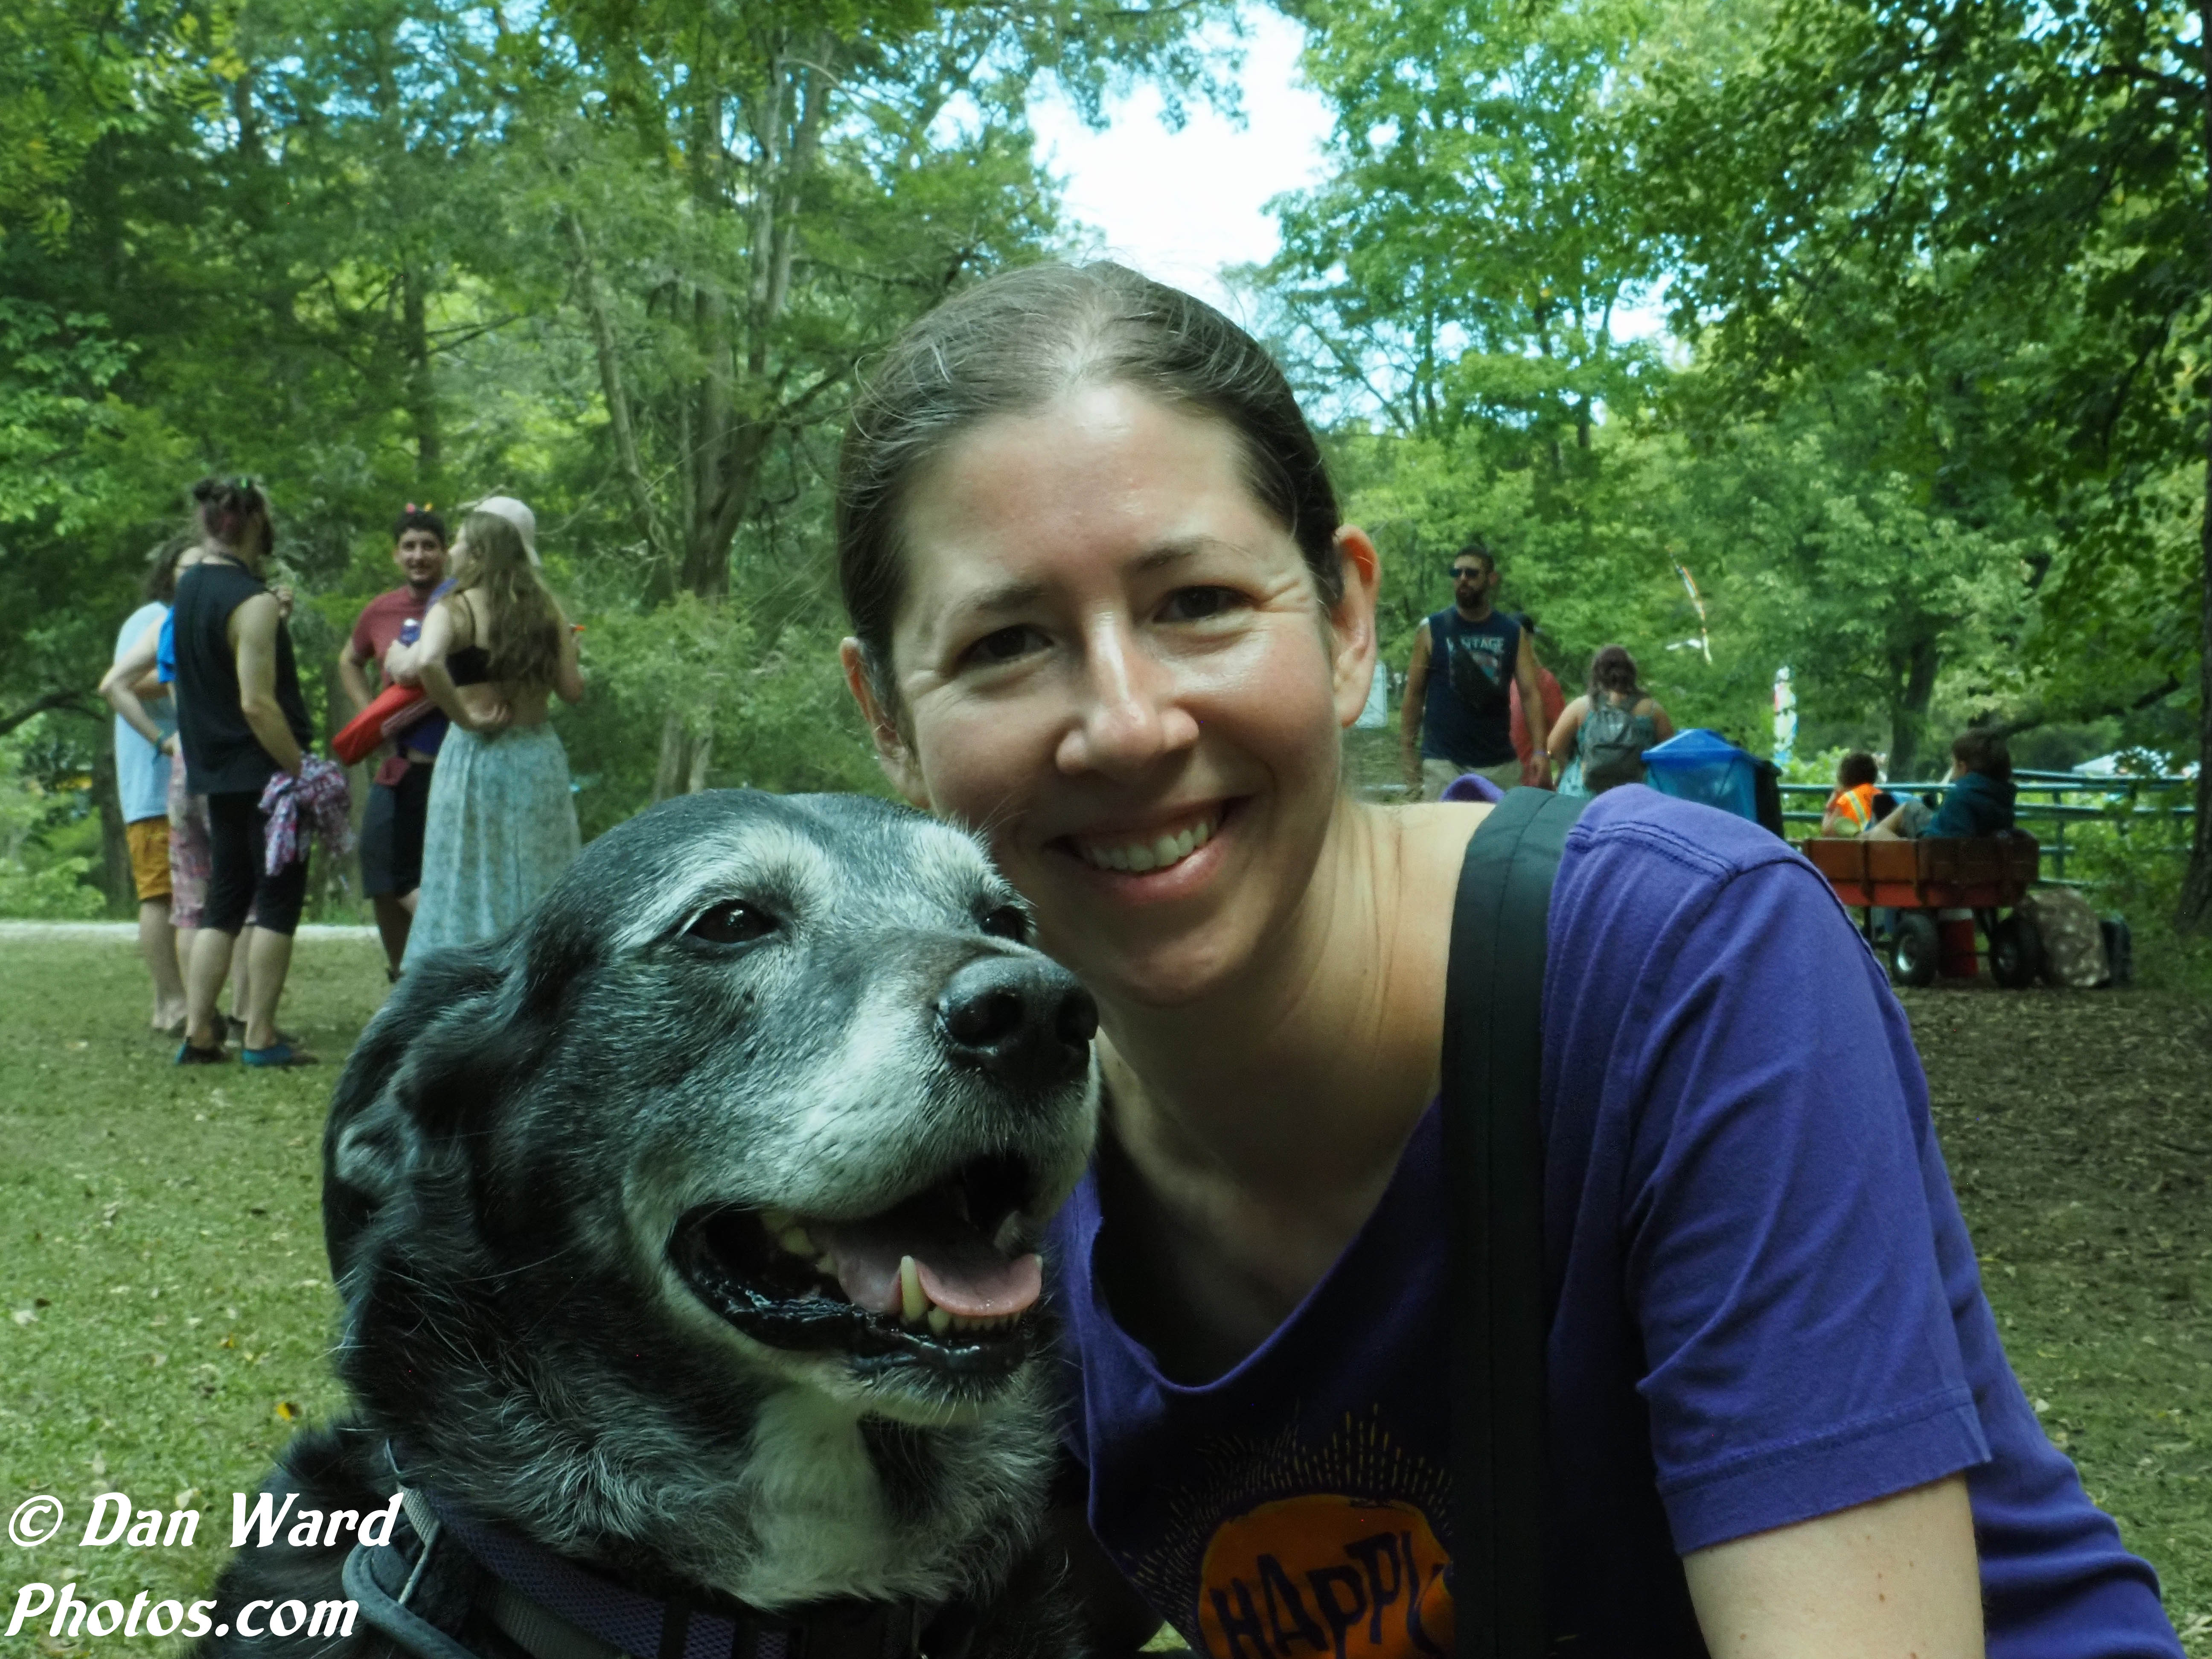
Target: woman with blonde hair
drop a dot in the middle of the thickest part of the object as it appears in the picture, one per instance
(501, 823)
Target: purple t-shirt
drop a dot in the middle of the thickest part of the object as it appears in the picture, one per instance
(1766, 1308)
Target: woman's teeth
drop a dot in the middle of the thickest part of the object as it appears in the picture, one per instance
(1137, 856)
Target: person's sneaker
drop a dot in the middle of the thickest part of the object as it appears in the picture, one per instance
(278, 1054)
(191, 1053)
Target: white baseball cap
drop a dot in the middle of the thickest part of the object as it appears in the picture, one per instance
(507, 507)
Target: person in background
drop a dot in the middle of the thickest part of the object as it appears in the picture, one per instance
(1860, 802)
(242, 719)
(145, 739)
(1535, 764)
(1457, 713)
(1599, 739)
(1978, 801)
(400, 793)
(501, 823)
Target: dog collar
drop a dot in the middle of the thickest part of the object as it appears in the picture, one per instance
(555, 1608)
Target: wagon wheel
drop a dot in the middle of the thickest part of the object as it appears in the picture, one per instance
(1912, 957)
(2015, 952)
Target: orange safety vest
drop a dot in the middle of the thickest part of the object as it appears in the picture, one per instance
(1854, 806)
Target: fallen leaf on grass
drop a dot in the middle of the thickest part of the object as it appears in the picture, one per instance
(288, 1411)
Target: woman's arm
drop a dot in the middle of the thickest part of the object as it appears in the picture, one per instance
(569, 677)
(1660, 723)
(428, 669)
(120, 686)
(254, 637)
(1897, 1575)
(1560, 746)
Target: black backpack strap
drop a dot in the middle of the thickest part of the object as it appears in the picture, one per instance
(1493, 1061)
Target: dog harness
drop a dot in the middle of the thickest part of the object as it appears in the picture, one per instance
(444, 1571)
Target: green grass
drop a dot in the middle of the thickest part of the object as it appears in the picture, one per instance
(160, 1229)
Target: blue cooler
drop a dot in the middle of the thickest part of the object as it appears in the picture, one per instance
(1704, 766)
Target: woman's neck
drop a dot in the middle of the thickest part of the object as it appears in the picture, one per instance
(1309, 1068)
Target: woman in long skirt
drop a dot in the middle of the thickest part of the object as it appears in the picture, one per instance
(501, 823)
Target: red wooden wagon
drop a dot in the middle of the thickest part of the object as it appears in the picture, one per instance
(1919, 879)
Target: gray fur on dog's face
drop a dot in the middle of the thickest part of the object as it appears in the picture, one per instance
(558, 1164)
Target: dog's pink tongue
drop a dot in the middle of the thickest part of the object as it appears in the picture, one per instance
(961, 1271)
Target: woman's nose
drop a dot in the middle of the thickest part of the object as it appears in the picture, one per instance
(1131, 712)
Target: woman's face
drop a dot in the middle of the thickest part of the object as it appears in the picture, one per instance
(1115, 666)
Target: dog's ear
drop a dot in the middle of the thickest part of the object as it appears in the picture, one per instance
(373, 1131)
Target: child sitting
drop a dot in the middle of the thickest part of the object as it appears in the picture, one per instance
(1978, 801)
(1860, 802)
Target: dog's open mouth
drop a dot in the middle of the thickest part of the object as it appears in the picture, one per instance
(941, 1277)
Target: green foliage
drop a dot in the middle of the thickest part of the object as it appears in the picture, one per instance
(41, 875)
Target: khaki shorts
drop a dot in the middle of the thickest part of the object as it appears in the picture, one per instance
(1436, 775)
(149, 856)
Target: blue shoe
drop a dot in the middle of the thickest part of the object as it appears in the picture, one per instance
(191, 1053)
(278, 1054)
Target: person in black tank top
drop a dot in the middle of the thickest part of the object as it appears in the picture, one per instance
(241, 721)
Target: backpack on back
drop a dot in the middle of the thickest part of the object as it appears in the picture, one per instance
(1612, 746)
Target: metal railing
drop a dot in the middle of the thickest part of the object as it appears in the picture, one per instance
(2119, 796)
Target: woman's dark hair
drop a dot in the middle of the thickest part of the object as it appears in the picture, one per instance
(1857, 767)
(161, 582)
(1979, 749)
(419, 518)
(1614, 669)
(1017, 342)
(227, 507)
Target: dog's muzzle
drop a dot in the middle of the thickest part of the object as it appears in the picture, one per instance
(943, 1280)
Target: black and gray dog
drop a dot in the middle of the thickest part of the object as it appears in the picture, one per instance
(686, 1237)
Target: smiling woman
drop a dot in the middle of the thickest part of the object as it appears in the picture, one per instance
(1104, 613)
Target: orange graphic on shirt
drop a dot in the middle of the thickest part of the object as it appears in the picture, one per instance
(1324, 1574)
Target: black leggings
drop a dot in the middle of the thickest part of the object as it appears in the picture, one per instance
(237, 838)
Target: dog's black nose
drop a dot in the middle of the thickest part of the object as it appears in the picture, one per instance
(1023, 1019)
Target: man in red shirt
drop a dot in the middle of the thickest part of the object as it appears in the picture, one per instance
(399, 796)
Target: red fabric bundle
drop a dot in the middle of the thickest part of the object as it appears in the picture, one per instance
(394, 709)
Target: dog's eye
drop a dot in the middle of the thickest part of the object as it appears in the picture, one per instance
(734, 923)
(1007, 921)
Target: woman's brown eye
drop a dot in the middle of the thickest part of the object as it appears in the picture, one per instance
(1197, 604)
(1005, 645)
(732, 924)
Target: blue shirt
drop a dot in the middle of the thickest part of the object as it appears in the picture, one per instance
(142, 771)
(1766, 1308)
(1977, 804)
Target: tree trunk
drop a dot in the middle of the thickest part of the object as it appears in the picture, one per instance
(2194, 912)
(684, 756)
(422, 389)
(1908, 719)
(115, 878)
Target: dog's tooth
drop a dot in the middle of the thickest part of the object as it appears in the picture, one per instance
(774, 1219)
(795, 1240)
(826, 1264)
(912, 1302)
(939, 1321)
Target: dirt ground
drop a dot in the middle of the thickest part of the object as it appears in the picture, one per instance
(2078, 1129)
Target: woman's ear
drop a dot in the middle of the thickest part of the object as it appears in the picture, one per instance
(1352, 622)
(892, 753)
